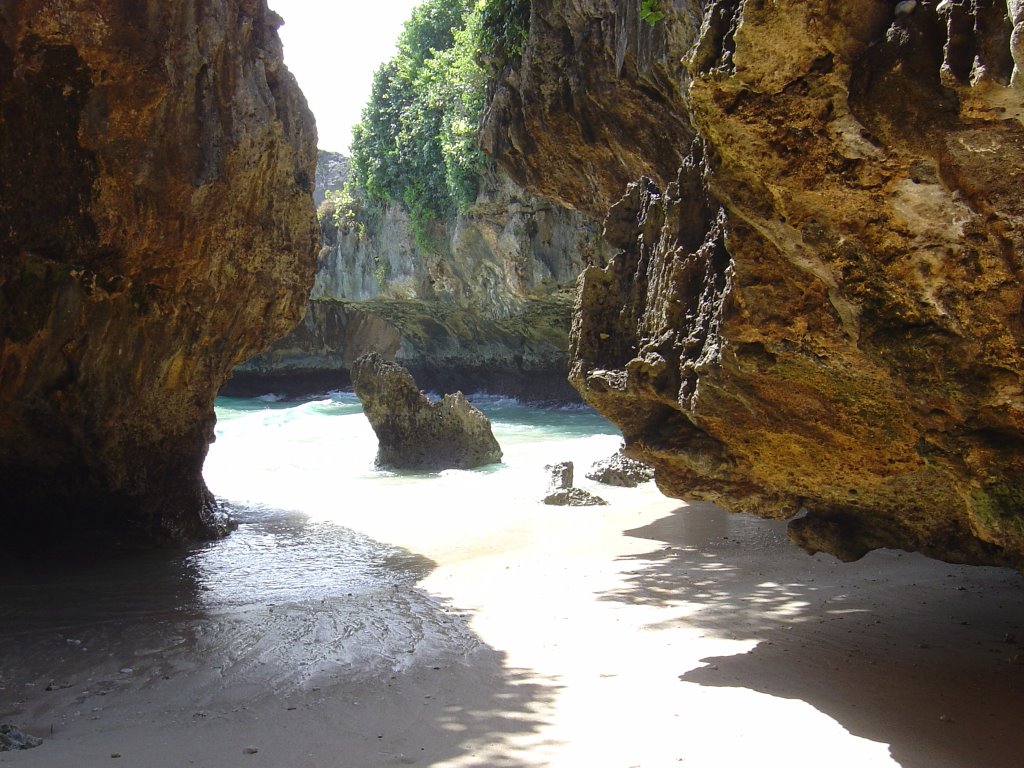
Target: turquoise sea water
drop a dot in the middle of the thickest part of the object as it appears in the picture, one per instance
(318, 456)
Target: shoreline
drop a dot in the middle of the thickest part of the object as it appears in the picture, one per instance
(646, 633)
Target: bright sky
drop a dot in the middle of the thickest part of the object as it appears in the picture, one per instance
(333, 48)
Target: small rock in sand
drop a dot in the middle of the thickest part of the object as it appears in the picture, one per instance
(561, 491)
(573, 497)
(12, 739)
(561, 475)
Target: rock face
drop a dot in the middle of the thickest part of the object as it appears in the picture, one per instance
(331, 174)
(819, 312)
(483, 305)
(620, 471)
(415, 433)
(156, 228)
(596, 102)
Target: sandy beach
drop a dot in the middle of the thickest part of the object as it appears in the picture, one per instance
(646, 633)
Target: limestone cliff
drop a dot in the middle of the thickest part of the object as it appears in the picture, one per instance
(480, 303)
(332, 170)
(156, 228)
(819, 313)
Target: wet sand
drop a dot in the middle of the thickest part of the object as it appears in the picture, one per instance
(647, 633)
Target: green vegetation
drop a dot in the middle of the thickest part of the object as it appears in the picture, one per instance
(381, 269)
(339, 206)
(650, 11)
(1000, 506)
(417, 142)
(504, 25)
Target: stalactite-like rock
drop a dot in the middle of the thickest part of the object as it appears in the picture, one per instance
(820, 315)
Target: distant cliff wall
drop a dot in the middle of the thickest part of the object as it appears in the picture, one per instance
(480, 303)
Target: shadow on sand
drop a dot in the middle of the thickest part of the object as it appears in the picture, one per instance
(311, 642)
(921, 655)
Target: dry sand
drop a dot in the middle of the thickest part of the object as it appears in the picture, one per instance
(646, 633)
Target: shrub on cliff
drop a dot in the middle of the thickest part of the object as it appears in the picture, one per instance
(417, 141)
(503, 28)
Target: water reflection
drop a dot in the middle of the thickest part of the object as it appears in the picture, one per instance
(276, 606)
(279, 556)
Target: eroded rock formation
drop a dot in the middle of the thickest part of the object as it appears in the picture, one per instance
(414, 433)
(156, 228)
(820, 313)
(621, 471)
(485, 305)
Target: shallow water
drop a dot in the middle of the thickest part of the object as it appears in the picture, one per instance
(292, 595)
(318, 456)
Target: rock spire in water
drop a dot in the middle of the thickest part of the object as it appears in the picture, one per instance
(415, 433)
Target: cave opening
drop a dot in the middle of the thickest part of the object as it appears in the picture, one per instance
(381, 617)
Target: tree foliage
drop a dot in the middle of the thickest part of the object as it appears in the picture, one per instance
(417, 141)
(504, 25)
